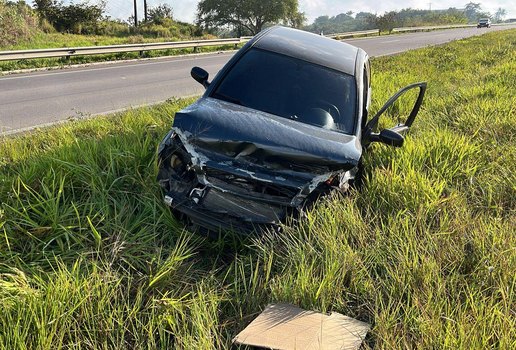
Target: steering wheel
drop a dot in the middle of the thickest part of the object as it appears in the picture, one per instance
(330, 108)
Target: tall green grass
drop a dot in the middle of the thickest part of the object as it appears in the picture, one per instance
(425, 251)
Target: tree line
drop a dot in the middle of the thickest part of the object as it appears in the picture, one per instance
(349, 21)
(76, 18)
(235, 18)
(90, 18)
(248, 17)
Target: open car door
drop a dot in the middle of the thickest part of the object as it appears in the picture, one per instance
(393, 136)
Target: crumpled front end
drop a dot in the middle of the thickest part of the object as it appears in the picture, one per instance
(217, 194)
(229, 167)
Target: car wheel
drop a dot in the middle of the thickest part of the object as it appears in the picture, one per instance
(358, 181)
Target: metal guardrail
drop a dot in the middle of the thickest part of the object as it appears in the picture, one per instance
(98, 50)
(351, 34)
(502, 24)
(428, 28)
(422, 29)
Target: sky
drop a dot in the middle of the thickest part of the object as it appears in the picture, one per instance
(184, 10)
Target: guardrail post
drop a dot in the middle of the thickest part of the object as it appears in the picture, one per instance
(195, 49)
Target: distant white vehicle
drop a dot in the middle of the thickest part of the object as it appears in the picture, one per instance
(484, 22)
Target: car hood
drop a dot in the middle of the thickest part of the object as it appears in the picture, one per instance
(230, 137)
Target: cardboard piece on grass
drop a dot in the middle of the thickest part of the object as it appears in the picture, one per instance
(286, 327)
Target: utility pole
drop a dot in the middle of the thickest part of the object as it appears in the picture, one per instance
(430, 6)
(145, 9)
(135, 14)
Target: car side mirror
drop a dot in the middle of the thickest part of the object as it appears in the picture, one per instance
(391, 138)
(388, 137)
(200, 76)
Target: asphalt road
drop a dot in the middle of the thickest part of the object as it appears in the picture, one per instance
(45, 97)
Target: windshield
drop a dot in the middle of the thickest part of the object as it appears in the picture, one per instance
(291, 88)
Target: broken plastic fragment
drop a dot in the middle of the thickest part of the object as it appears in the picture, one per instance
(168, 200)
(284, 326)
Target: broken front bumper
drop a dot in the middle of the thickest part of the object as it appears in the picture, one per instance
(217, 192)
(210, 216)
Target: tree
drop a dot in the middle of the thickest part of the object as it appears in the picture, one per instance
(472, 10)
(49, 10)
(249, 14)
(365, 20)
(388, 21)
(76, 18)
(500, 14)
(80, 18)
(157, 15)
(296, 20)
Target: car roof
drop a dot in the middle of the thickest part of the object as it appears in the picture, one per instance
(309, 47)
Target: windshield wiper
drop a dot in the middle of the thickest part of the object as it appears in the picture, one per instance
(227, 98)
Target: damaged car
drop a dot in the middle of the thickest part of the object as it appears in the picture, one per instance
(282, 123)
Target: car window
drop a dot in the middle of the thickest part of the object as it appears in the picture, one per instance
(291, 88)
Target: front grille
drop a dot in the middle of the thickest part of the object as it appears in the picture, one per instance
(250, 186)
(246, 209)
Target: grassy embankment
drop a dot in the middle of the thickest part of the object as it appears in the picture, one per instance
(426, 252)
(21, 29)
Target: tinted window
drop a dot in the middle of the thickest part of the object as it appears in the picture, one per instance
(291, 88)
